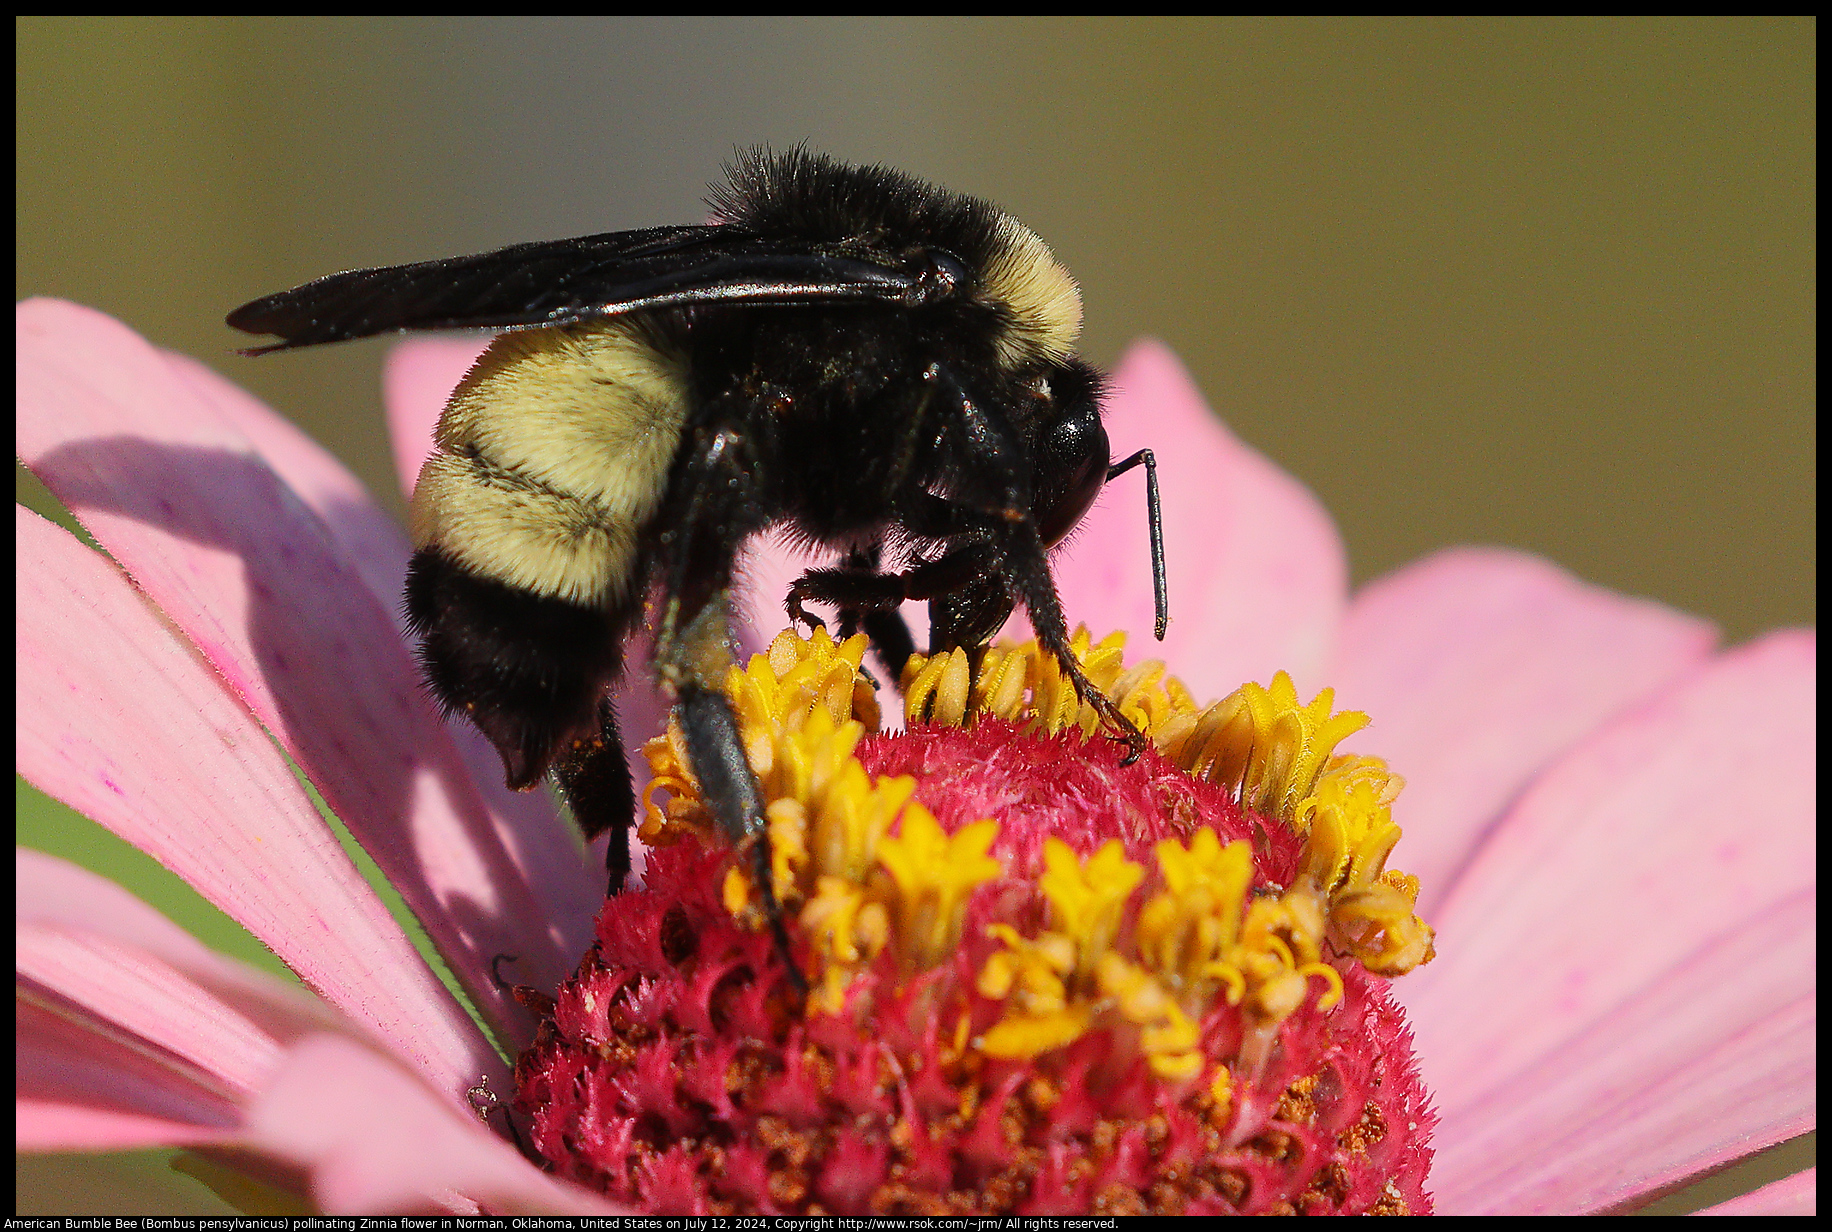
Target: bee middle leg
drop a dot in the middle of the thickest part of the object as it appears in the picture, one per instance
(595, 782)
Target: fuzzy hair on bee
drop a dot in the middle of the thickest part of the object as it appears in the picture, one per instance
(885, 368)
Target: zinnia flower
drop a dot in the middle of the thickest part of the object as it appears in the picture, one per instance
(1610, 821)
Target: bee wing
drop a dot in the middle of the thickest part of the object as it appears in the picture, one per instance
(554, 282)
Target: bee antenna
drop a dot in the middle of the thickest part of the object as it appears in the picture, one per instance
(1159, 590)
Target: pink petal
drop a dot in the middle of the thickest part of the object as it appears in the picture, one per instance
(234, 558)
(1791, 1195)
(54, 1125)
(100, 980)
(50, 890)
(1478, 666)
(105, 1027)
(54, 893)
(1711, 1062)
(1257, 578)
(130, 1032)
(203, 790)
(118, 1048)
(77, 1088)
(373, 543)
(1674, 825)
(374, 1141)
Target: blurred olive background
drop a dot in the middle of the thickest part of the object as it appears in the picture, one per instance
(1546, 284)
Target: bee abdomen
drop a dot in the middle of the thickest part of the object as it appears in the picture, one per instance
(527, 669)
(552, 458)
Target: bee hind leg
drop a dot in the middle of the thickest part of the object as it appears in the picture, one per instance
(595, 781)
(712, 508)
(715, 750)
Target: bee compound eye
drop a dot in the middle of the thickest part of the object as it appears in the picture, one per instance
(1071, 468)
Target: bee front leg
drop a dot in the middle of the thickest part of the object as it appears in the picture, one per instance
(867, 598)
(997, 502)
(890, 634)
(1027, 578)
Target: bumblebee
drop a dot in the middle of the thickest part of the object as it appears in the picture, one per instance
(885, 367)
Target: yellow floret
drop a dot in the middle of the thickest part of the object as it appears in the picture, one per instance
(1026, 1036)
(934, 872)
(1261, 742)
(847, 929)
(1087, 900)
(1031, 972)
(1184, 930)
(1347, 823)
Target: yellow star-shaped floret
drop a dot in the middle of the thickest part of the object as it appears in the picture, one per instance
(1087, 900)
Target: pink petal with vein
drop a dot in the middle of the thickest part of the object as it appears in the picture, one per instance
(178, 496)
(54, 893)
(102, 981)
(1670, 826)
(118, 1048)
(1791, 1195)
(130, 1032)
(1257, 578)
(374, 1141)
(146, 740)
(77, 1088)
(1478, 666)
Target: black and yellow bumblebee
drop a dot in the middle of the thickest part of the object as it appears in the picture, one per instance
(886, 367)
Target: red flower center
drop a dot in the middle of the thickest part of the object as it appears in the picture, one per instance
(1044, 982)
